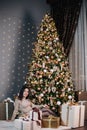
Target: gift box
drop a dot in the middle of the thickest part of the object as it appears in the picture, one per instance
(35, 114)
(76, 116)
(9, 107)
(6, 110)
(72, 115)
(50, 122)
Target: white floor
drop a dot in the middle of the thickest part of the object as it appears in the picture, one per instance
(8, 125)
(59, 128)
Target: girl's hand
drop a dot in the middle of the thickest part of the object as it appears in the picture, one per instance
(46, 106)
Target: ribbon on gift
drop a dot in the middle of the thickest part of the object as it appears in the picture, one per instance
(50, 117)
(6, 110)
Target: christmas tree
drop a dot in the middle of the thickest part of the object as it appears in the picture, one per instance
(49, 77)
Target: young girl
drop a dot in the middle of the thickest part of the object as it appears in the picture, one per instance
(22, 105)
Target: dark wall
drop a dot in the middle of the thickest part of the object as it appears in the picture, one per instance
(19, 22)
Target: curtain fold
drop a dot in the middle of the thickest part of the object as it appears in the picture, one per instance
(78, 51)
(65, 14)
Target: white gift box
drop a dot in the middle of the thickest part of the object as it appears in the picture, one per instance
(76, 116)
(18, 123)
(72, 115)
(35, 115)
(31, 125)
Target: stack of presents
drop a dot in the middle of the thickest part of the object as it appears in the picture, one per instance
(72, 116)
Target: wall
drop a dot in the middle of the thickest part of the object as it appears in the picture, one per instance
(19, 22)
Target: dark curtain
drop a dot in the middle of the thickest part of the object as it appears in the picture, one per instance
(65, 14)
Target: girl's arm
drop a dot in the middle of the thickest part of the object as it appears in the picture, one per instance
(16, 107)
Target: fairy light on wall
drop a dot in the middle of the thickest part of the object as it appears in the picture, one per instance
(18, 29)
(16, 39)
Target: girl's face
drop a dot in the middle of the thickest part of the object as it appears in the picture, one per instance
(25, 93)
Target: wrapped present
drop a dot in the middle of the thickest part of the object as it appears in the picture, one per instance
(35, 114)
(6, 109)
(50, 122)
(9, 107)
(76, 116)
(72, 115)
(21, 124)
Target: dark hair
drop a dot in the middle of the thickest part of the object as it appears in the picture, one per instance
(21, 92)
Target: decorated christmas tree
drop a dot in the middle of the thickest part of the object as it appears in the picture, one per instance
(49, 77)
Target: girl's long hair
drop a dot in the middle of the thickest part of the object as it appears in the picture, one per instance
(20, 96)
